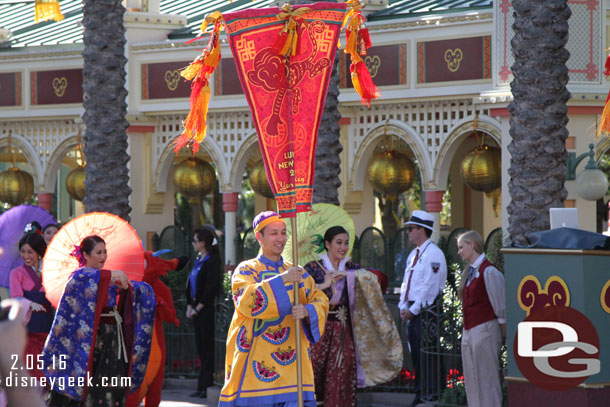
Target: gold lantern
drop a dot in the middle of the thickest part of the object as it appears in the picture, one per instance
(481, 168)
(16, 186)
(194, 177)
(258, 180)
(391, 172)
(75, 183)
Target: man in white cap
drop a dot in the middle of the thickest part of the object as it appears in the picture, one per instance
(423, 282)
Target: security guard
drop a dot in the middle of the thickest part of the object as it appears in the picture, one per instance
(423, 282)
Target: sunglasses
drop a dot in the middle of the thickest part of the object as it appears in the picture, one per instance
(410, 228)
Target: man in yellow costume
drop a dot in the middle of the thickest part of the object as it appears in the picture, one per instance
(261, 345)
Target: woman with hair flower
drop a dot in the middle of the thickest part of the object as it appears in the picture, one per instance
(360, 346)
(107, 316)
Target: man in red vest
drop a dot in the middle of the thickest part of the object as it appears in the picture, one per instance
(422, 284)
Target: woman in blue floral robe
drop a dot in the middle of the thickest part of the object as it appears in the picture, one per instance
(99, 344)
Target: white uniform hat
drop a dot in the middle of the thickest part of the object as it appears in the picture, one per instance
(421, 218)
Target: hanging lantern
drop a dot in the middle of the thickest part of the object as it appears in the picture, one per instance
(194, 177)
(16, 186)
(258, 180)
(391, 172)
(481, 168)
(47, 10)
(75, 183)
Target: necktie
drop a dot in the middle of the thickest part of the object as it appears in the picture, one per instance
(406, 297)
(470, 276)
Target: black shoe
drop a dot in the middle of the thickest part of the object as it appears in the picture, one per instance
(203, 394)
(195, 393)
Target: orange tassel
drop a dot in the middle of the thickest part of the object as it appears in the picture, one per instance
(351, 46)
(358, 41)
(604, 123)
(363, 83)
(199, 71)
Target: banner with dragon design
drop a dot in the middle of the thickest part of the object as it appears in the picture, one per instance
(284, 59)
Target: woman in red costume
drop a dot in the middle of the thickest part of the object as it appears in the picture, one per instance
(25, 282)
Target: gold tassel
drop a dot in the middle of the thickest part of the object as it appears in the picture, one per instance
(291, 27)
(47, 10)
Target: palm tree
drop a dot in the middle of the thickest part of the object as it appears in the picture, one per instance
(328, 163)
(107, 175)
(538, 115)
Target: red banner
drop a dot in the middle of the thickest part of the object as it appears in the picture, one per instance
(286, 98)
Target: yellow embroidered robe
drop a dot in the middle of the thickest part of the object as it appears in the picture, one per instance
(261, 356)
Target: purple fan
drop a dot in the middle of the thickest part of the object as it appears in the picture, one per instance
(12, 223)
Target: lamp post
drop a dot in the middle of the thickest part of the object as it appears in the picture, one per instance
(591, 183)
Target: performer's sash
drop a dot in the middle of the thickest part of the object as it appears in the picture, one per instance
(286, 104)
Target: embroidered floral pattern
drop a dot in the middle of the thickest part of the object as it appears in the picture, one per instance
(237, 295)
(259, 302)
(144, 312)
(73, 327)
(277, 336)
(243, 344)
(263, 373)
(285, 357)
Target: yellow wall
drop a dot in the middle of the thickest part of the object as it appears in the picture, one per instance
(150, 212)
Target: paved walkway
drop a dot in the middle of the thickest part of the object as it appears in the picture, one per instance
(176, 394)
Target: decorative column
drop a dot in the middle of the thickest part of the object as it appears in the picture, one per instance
(229, 206)
(45, 200)
(434, 205)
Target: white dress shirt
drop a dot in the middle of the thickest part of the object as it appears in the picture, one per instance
(429, 277)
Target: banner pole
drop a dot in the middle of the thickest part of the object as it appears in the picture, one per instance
(297, 331)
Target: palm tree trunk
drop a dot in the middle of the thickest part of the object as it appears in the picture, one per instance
(107, 175)
(328, 162)
(538, 115)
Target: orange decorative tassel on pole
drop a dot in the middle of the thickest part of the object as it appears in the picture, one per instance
(358, 41)
(604, 123)
(47, 10)
(199, 71)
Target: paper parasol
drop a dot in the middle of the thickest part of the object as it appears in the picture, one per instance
(125, 251)
(316, 222)
(12, 223)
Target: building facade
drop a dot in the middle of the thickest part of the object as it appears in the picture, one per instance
(440, 68)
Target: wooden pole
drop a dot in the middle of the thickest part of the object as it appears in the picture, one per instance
(297, 330)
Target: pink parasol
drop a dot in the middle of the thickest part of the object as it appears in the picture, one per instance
(125, 251)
